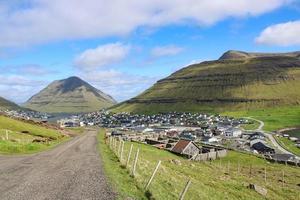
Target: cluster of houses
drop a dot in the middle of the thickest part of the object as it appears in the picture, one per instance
(204, 136)
(181, 146)
(27, 114)
(110, 120)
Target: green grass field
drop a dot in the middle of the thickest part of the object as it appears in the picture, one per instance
(288, 144)
(13, 141)
(210, 180)
(274, 118)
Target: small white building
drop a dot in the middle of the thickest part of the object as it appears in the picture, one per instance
(233, 132)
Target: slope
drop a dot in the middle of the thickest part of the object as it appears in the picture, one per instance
(71, 95)
(5, 104)
(237, 81)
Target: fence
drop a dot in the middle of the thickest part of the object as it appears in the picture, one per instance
(179, 186)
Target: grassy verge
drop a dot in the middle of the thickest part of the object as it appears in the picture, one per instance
(19, 137)
(288, 145)
(210, 180)
(118, 176)
(274, 118)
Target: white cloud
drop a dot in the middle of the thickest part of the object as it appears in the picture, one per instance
(42, 21)
(18, 88)
(27, 69)
(118, 84)
(169, 50)
(101, 56)
(284, 34)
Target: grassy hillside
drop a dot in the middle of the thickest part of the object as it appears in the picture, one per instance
(21, 137)
(210, 180)
(274, 118)
(223, 85)
(5, 104)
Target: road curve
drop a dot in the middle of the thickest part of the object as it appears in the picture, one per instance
(70, 171)
(270, 137)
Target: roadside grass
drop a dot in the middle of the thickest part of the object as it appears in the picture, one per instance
(274, 118)
(210, 180)
(34, 139)
(288, 144)
(118, 176)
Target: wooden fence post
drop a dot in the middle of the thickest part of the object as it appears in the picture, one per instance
(238, 168)
(122, 148)
(250, 171)
(185, 190)
(119, 148)
(6, 131)
(135, 162)
(110, 141)
(129, 154)
(153, 174)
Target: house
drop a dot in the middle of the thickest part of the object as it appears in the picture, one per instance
(257, 135)
(233, 132)
(261, 147)
(210, 139)
(186, 147)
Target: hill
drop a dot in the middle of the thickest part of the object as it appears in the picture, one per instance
(236, 81)
(225, 178)
(71, 95)
(20, 136)
(5, 104)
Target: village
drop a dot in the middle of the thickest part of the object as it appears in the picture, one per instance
(195, 136)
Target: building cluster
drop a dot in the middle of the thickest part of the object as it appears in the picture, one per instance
(27, 114)
(210, 133)
(159, 138)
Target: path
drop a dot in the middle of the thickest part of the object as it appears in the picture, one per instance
(70, 171)
(270, 136)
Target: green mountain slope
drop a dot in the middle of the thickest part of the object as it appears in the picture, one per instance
(237, 81)
(71, 95)
(5, 104)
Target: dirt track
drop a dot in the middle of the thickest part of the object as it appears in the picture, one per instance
(70, 171)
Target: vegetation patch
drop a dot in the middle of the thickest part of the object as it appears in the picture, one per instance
(118, 176)
(288, 144)
(227, 178)
(274, 118)
(20, 137)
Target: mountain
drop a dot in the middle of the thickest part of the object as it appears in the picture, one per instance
(237, 81)
(71, 95)
(6, 104)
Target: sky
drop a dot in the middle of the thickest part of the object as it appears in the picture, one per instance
(124, 47)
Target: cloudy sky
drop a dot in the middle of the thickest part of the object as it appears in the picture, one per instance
(123, 47)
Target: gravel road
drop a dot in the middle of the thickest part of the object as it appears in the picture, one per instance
(70, 171)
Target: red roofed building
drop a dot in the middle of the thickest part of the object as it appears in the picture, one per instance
(186, 147)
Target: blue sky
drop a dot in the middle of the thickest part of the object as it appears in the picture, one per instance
(124, 48)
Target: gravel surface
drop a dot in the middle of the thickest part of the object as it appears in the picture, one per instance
(70, 171)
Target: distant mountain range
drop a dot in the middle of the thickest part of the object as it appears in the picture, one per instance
(71, 95)
(237, 81)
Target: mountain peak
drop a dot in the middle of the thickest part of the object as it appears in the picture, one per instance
(233, 54)
(70, 95)
(72, 83)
